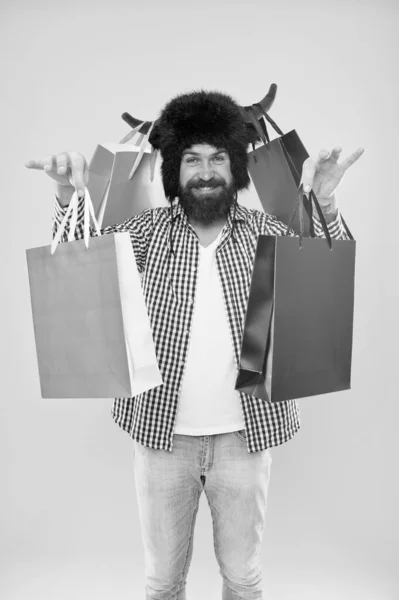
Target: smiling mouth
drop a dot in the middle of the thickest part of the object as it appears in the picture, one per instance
(205, 190)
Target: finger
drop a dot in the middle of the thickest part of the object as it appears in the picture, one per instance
(352, 158)
(62, 163)
(308, 173)
(48, 164)
(40, 163)
(323, 155)
(34, 164)
(335, 153)
(78, 166)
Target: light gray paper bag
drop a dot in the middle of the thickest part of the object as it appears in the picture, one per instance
(92, 331)
(123, 181)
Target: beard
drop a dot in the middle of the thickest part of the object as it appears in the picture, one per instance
(209, 206)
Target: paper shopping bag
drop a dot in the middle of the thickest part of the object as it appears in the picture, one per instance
(116, 196)
(297, 338)
(92, 332)
(275, 168)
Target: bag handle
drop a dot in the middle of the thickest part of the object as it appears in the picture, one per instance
(88, 212)
(142, 142)
(132, 133)
(279, 131)
(143, 146)
(153, 160)
(299, 206)
(269, 119)
(312, 195)
(262, 133)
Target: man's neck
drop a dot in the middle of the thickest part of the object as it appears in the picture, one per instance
(207, 233)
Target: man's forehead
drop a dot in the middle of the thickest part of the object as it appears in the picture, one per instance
(203, 149)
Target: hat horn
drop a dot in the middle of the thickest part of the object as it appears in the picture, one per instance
(259, 108)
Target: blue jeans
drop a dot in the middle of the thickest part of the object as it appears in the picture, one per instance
(169, 485)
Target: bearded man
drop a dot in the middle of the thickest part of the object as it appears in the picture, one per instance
(196, 433)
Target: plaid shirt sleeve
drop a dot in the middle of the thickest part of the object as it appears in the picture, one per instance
(139, 227)
(270, 225)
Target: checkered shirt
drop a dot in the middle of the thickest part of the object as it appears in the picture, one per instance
(169, 284)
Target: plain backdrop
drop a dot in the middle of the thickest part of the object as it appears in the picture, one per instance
(69, 523)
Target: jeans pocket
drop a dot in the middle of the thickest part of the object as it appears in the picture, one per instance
(241, 434)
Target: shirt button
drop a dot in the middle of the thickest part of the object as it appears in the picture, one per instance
(187, 332)
(191, 301)
(194, 269)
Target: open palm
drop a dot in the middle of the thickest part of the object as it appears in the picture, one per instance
(323, 174)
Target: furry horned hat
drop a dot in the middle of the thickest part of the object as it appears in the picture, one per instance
(201, 117)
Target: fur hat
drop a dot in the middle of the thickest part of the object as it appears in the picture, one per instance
(201, 117)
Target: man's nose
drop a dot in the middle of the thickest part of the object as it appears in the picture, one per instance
(206, 172)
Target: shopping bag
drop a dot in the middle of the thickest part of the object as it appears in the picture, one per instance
(124, 179)
(275, 168)
(297, 338)
(92, 332)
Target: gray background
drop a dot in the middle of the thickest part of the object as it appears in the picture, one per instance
(69, 524)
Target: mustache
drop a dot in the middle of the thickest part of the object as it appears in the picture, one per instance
(211, 183)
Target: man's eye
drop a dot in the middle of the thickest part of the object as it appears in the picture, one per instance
(191, 160)
(219, 159)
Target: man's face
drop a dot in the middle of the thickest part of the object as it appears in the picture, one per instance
(206, 183)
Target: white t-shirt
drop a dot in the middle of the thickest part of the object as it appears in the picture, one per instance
(208, 402)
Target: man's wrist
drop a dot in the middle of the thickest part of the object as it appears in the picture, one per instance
(64, 194)
(328, 208)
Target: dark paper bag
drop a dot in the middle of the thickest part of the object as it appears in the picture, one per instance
(92, 331)
(275, 169)
(297, 338)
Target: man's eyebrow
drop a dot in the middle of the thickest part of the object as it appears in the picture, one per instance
(199, 153)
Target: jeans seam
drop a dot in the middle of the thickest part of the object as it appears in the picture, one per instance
(184, 574)
(214, 540)
(218, 559)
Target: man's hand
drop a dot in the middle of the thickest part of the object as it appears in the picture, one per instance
(323, 174)
(68, 169)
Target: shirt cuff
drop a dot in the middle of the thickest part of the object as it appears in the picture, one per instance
(335, 227)
(59, 211)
